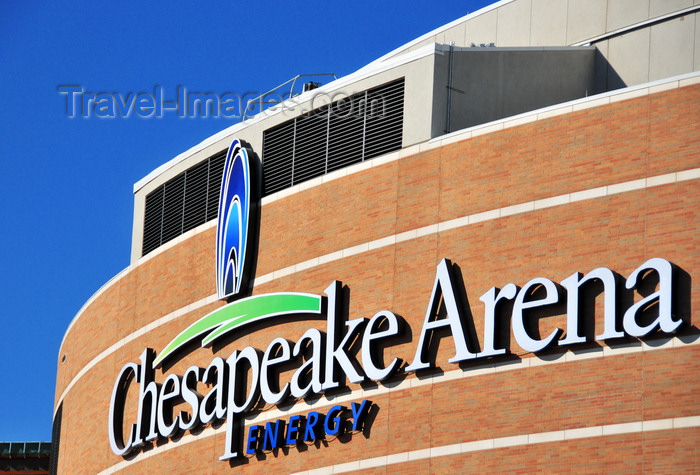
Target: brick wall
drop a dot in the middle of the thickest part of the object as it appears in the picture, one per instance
(624, 141)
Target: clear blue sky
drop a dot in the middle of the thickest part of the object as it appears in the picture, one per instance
(67, 184)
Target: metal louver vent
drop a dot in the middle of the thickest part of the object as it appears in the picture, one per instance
(345, 132)
(183, 203)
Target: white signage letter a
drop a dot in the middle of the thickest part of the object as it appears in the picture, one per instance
(443, 286)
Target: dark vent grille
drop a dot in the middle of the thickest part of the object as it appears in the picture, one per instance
(183, 203)
(55, 440)
(216, 170)
(345, 132)
(195, 211)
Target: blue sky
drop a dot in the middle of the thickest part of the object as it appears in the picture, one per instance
(67, 183)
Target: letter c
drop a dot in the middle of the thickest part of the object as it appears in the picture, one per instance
(116, 411)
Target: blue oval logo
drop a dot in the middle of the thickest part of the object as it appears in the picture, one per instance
(233, 225)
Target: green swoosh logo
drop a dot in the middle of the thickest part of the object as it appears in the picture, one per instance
(237, 314)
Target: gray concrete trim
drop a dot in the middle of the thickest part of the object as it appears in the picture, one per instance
(437, 31)
(637, 26)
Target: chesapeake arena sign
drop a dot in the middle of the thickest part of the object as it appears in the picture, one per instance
(322, 360)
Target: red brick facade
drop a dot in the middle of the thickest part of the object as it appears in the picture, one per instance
(636, 139)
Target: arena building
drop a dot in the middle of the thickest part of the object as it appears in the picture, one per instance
(478, 253)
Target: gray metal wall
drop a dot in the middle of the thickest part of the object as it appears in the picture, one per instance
(492, 83)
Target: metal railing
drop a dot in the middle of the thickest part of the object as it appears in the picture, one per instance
(263, 99)
(24, 449)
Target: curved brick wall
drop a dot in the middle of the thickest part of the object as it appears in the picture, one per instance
(509, 402)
